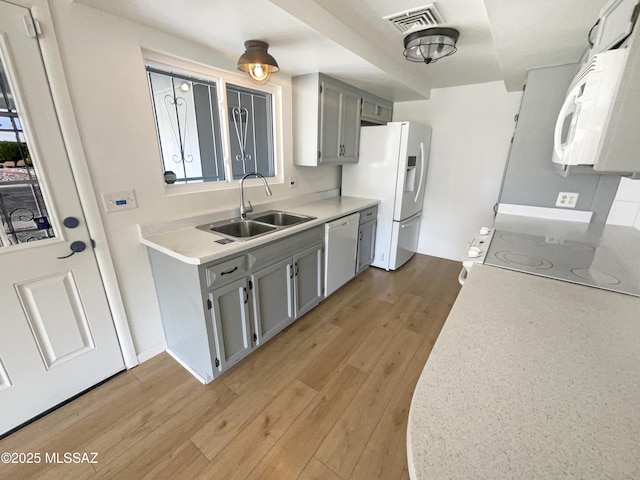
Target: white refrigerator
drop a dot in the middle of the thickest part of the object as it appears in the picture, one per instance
(392, 168)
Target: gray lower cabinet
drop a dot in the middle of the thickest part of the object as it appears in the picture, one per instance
(366, 245)
(216, 314)
(366, 238)
(230, 314)
(272, 299)
(308, 279)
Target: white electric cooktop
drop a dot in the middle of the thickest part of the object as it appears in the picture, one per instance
(573, 261)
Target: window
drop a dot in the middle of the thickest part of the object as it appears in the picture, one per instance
(211, 129)
(23, 212)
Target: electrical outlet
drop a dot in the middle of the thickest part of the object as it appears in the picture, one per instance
(567, 200)
(293, 182)
(115, 202)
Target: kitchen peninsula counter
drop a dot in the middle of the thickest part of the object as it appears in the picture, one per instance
(530, 378)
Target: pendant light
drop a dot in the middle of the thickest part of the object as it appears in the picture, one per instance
(430, 45)
(257, 62)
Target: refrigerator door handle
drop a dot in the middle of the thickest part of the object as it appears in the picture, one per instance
(411, 223)
(421, 172)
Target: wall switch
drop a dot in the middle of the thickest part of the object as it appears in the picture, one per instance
(293, 182)
(115, 202)
(567, 200)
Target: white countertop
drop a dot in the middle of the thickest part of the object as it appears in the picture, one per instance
(182, 240)
(530, 378)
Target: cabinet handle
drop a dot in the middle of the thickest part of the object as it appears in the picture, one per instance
(229, 271)
(297, 270)
(246, 296)
(291, 273)
(360, 237)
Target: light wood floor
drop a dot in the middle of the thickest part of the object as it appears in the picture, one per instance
(327, 399)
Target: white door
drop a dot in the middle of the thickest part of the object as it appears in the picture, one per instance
(412, 170)
(57, 337)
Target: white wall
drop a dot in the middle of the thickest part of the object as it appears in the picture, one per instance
(625, 209)
(472, 128)
(103, 63)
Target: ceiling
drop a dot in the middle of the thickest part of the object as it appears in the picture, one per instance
(349, 40)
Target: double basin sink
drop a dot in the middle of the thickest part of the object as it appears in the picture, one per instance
(256, 225)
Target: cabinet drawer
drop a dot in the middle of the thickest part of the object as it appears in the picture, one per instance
(226, 271)
(368, 214)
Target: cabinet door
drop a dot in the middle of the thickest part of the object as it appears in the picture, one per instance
(272, 299)
(350, 128)
(384, 113)
(366, 245)
(308, 279)
(232, 327)
(330, 146)
(376, 112)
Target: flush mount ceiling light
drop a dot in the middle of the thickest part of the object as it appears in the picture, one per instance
(430, 45)
(257, 62)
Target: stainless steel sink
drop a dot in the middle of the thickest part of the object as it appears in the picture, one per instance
(281, 219)
(239, 229)
(260, 224)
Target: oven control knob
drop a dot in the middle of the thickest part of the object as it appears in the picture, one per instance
(473, 252)
(484, 231)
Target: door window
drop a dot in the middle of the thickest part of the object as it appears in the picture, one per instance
(23, 208)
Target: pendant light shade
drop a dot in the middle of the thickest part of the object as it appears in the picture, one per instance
(257, 62)
(430, 45)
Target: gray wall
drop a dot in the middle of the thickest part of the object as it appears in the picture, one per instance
(529, 177)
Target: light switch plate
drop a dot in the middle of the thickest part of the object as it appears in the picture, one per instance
(293, 181)
(118, 201)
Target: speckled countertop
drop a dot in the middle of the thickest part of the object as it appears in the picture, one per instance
(530, 378)
(181, 239)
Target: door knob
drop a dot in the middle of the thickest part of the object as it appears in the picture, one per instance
(71, 222)
(76, 247)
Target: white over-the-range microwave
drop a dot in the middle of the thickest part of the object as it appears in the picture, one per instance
(596, 129)
(584, 114)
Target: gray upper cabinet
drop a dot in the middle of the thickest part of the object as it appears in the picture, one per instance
(376, 110)
(330, 133)
(327, 118)
(621, 141)
(348, 147)
(327, 121)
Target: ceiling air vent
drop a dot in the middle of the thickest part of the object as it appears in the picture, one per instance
(416, 18)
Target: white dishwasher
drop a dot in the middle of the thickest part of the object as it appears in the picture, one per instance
(340, 248)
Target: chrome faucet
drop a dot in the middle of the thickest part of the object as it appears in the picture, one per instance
(244, 210)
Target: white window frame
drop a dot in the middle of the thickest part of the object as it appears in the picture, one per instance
(221, 78)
